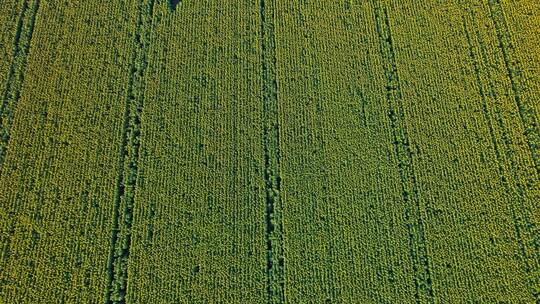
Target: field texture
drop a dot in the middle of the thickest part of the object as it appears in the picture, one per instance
(268, 151)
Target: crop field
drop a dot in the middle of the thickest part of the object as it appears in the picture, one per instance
(298, 151)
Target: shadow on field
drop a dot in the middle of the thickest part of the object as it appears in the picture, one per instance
(173, 4)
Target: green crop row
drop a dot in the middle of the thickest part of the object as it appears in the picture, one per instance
(269, 151)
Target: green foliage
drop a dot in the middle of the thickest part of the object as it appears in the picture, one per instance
(269, 151)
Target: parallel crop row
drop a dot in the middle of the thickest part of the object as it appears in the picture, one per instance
(129, 160)
(15, 78)
(515, 74)
(402, 150)
(274, 237)
(525, 231)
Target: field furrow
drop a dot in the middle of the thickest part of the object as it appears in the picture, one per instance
(15, 77)
(269, 152)
(452, 143)
(274, 226)
(334, 199)
(403, 153)
(527, 112)
(522, 192)
(9, 18)
(11, 94)
(200, 209)
(58, 178)
(129, 159)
